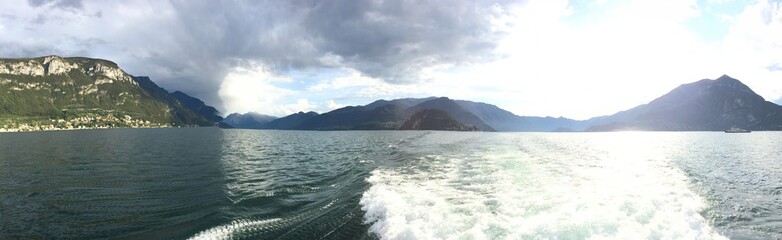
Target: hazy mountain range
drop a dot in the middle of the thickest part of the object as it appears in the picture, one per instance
(55, 89)
(705, 105)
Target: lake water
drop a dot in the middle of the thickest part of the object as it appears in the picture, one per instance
(210, 183)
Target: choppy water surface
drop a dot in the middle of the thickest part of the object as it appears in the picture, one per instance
(241, 184)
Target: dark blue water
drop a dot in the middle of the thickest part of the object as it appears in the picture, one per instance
(174, 183)
(241, 184)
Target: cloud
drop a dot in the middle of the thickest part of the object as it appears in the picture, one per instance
(354, 79)
(752, 50)
(194, 45)
(253, 90)
(66, 4)
(394, 40)
(331, 105)
(627, 55)
(533, 57)
(391, 41)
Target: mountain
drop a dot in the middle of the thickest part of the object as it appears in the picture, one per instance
(177, 109)
(386, 117)
(391, 114)
(705, 105)
(379, 115)
(499, 119)
(402, 102)
(290, 122)
(198, 106)
(505, 121)
(54, 92)
(248, 120)
(434, 119)
(454, 110)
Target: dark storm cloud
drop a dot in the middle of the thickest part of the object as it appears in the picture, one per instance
(391, 40)
(192, 45)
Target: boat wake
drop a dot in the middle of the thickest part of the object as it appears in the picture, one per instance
(535, 189)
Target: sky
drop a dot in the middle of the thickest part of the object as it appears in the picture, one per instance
(576, 59)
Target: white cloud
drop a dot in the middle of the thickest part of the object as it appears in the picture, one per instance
(726, 18)
(251, 90)
(753, 46)
(359, 85)
(331, 105)
(627, 57)
(720, 1)
(301, 105)
(254, 89)
(354, 79)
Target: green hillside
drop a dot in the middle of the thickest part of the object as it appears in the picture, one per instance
(86, 92)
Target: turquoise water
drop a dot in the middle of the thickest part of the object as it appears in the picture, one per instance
(209, 183)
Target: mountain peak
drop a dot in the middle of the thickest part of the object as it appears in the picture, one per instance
(727, 81)
(455, 110)
(706, 105)
(725, 77)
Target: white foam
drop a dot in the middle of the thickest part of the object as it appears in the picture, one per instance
(227, 231)
(583, 190)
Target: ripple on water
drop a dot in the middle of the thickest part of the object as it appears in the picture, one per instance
(216, 184)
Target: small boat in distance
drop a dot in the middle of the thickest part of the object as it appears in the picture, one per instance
(737, 130)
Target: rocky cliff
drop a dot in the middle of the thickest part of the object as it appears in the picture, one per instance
(51, 92)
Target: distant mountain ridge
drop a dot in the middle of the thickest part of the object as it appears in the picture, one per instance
(248, 120)
(706, 105)
(391, 114)
(378, 115)
(290, 122)
(53, 92)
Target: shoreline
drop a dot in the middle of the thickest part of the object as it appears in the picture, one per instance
(16, 130)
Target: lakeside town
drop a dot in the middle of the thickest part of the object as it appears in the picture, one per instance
(86, 122)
